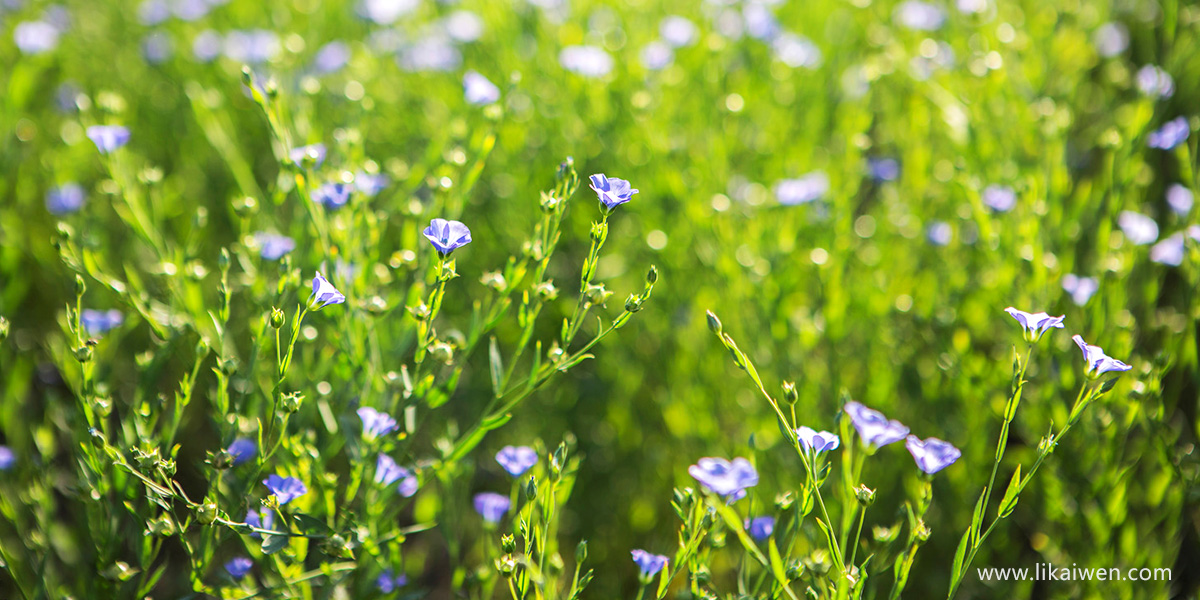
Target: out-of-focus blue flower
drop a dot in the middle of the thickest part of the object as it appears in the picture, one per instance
(796, 51)
(262, 519)
(324, 293)
(491, 506)
(920, 16)
(1080, 288)
(1155, 82)
(516, 459)
(939, 233)
(157, 47)
(817, 441)
(1098, 363)
(478, 90)
(371, 184)
(728, 479)
(331, 57)
(803, 189)
(191, 10)
(1138, 228)
(648, 564)
(971, 7)
(388, 581)
(883, 169)
(388, 472)
(99, 322)
(932, 455)
(1169, 251)
(206, 46)
(64, 199)
(386, 12)
(242, 450)
(760, 528)
(108, 138)
(463, 26)
(153, 12)
(1171, 134)
(678, 31)
(447, 236)
(611, 191)
(7, 458)
(1111, 39)
(35, 37)
(285, 489)
(65, 97)
(434, 53)
(273, 246)
(589, 61)
(1035, 325)
(251, 47)
(761, 23)
(656, 55)
(333, 195)
(238, 567)
(874, 429)
(376, 424)
(999, 198)
(1180, 199)
(316, 152)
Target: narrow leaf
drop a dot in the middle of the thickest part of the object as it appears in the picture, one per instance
(497, 366)
(1010, 495)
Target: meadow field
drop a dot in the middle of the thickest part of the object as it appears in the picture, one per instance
(559, 299)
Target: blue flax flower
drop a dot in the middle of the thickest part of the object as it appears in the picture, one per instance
(999, 198)
(932, 455)
(802, 190)
(324, 293)
(728, 479)
(1180, 199)
(64, 199)
(273, 246)
(648, 564)
(612, 192)
(478, 90)
(588, 61)
(375, 423)
(1035, 325)
(1171, 134)
(1138, 228)
(239, 566)
(1080, 288)
(285, 489)
(516, 459)
(1170, 251)
(242, 450)
(447, 236)
(7, 458)
(99, 322)
(333, 195)
(388, 581)
(760, 528)
(874, 428)
(1098, 362)
(883, 169)
(108, 137)
(316, 152)
(388, 472)
(262, 518)
(491, 506)
(817, 441)
(371, 184)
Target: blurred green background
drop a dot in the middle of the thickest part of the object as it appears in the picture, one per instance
(891, 288)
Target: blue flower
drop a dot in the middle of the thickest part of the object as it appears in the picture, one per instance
(874, 428)
(206, 46)
(1180, 199)
(656, 55)
(999, 198)
(1080, 288)
(242, 450)
(1138, 228)
(1035, 325)
(108, 138)
(388, 472)
(463, 26)
(370, 185)
(324, 293)
(331, 57)
(375, 423)
(939, 233)
(447, 236)
(239, 566)
(1169, 251)
(7, 458)
(1098, 363)
(883, 169)
(285, 489)
(612, 192)
(333, 195)
(1171, 134)
(1155, 82)
(817, 441)
(725, 478)
(35, 37)
(433, 53)
(273, 246)
(478, 90)
(64, 199)
(386, 12)
(760, 528)
(263, 518)
(251, 47)
(678, 31)
(388, 581)
(491, 506)
(589, 61)
(803, 189)
(920, 16)
(932, 455)
(99, 322)
(315, 152)
(516, 459)
(648, 564)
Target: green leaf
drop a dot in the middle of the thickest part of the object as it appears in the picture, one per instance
(959, 556)
(1010, 495)
(831, 542)
(977, 516)
(274, 543)
(777, 562)
(495, 421)
(311, 526)
(497, 366)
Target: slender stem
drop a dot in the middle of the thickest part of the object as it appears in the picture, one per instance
(862, 516)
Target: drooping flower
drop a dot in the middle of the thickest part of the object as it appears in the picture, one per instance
(263, 518)
(817, 441)
(447, 236)
(1171, 134)
(999, 198)
(242, 450)
(728, 479)
(313, 152)
(1180, 199)
(370, 184)
(1081, 289)
(1155, 82)
(1138, 228)
(491, 506)
(516, 459)
(324, 293)
(478, 90)
(803, 189)
(760, 528)
(238, 567)
(874, 429)
(375, 424)
(333, 195)
(932, 455)
(589, 61)
(388, 472)
(1170, 251)
(99, 322)
(388, 581)
(1098, 363)
(7, 458)
(648, 564)
(1035, 325)
(108, 138)
(611, 191)
(64, 199)
(285, 489)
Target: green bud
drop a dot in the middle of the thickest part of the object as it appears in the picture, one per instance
(223, 259)
(247, 76)
(508, 543)
(596, 294)
(581, 552)
(531, 488)
(441, 351)
(419, 312)
(207, 513)
(292, 401)
(784, 501)
(97, 437)
(119, 571)
(886, 535)
(864, 495)
(494, 281)
(558, 460)
(555, 564)
(219, 460)
(163, 526)
(714, 324)
(599, 231)
(83, 353)
(652, 275)
(789, 392)
(277, 318)
(80, 285)
(633, 303)
(546, 291)
(506, 565)
(550, 202)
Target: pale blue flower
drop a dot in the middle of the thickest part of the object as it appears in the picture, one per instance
(874, 429)
(796, 51)
(386, 12)
(314, 152)
(803, 189)
(1097, 361)
(463, 26)
(447, 236)
(263, 518)
(242, 450)
(285, 489)
(478, 90)
(273, 246)
(1111, 39)
(920, 16)
(1138, 228)
(35, 37)
(932, 455)
(1035, 325)
(388, 581)
(516, 459)
(371, 184)
(611, 191)
(648, 564)
(331, 57)
(108, 138)
(433, 53)
(251, 47)
(815, 441)
(588, 61)
(728, 479)
(491, 506)
(939, 233)
(7, 458)
(333, 195)
(157, 47)
(656, 55)
(760, 528)
(388, 472)
(376, 424)
(238, 567)
(883, 169)
(64, 199)
(1155, 82)
(1080, 288)
(678, 31)
(999, 198)
(207, 45)
(1170, 251)
(99, 322)
(1180, 199)
(324, 293)
(1171, 134)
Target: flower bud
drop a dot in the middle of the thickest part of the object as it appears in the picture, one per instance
(784, 501)
(633, 303)
(494, 281)
(223, 259)
(80, 285)
(558, 460)
(292, 401)
(163, 525)
(864, 495)
(207, 513)
(245, 207)
(550, 202)
(789, 392)
(506, 565)
(885, 535)
(97, 437)
(277, 318)
(596, 294)
(599, 232)
(83, 353)
(546, 291)
(247, 75)
(508, 543)
(714, 324)
(581, 552)
(441, 351)
(531, 487)
(220, 460)
(652, 275)
(555, 564)
(419, 312)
